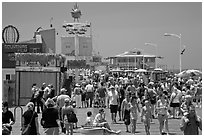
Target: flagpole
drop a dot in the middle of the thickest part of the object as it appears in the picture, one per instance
(180, 55)
(178, 36)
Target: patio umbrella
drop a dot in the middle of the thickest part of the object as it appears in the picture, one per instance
(141, 70)
(116, 70)
(189, 73)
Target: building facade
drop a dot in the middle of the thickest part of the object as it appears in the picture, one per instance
(132, 60)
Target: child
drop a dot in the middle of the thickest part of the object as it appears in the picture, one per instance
(146, 116)
(125, 108)
(134, 107)
(96, 100)
(75, 111)
(89, 120)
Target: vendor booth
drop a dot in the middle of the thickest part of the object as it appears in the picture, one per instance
(36, 68)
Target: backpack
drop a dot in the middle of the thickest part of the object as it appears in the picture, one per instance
(72, 118)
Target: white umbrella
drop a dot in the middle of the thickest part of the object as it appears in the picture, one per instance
(129, 71)
(189, 73)
(116, 70)
(141, 70)
(157, 69)
(195, 72)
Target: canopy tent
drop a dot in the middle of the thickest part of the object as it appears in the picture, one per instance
(189, 73)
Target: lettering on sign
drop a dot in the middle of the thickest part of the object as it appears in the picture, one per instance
(17, 48)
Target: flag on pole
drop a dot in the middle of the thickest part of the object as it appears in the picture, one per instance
(183, 50)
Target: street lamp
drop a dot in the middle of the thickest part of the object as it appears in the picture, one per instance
(155, 45)
(178, 36)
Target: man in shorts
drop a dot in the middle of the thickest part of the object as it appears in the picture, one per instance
(113, 100)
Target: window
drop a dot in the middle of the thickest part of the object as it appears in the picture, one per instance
(151, 60)
(8, 77)
(35, 50)
(131, 59)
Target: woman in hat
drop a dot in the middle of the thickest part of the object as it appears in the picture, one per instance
(7, 119)
(77, 93)
(30, 116)
(50, 118)
(60, 103)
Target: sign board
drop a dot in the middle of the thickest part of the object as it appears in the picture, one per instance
(9, 50)
(44, 69)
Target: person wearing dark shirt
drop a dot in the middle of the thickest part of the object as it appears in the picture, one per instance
(141, 91)
(26, 119)
(7, 118)
(50, 118)
(121, 94)
(191, 122)
(102, 94)
(40, 101)
(51, 94)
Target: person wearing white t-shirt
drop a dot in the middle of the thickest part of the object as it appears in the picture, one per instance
(89, 94)
(175, 100)
(113, 102)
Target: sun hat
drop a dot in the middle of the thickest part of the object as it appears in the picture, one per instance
(111, 87)
(188, 97)
(30, 104)
(67, 100)
(151, 83)
(63, 89)
(49, 102)
(77, 85)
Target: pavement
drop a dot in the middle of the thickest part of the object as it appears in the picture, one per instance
(81, 115)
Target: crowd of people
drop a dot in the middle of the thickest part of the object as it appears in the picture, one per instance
(128, 99)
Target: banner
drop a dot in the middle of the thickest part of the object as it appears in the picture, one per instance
(72, 64)
(68, 46)
(85, 46)
(9, 50)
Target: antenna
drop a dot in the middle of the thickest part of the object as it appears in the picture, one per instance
(51, 22)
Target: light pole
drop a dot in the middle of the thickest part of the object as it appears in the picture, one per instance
(178, 36)
(155, 45)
